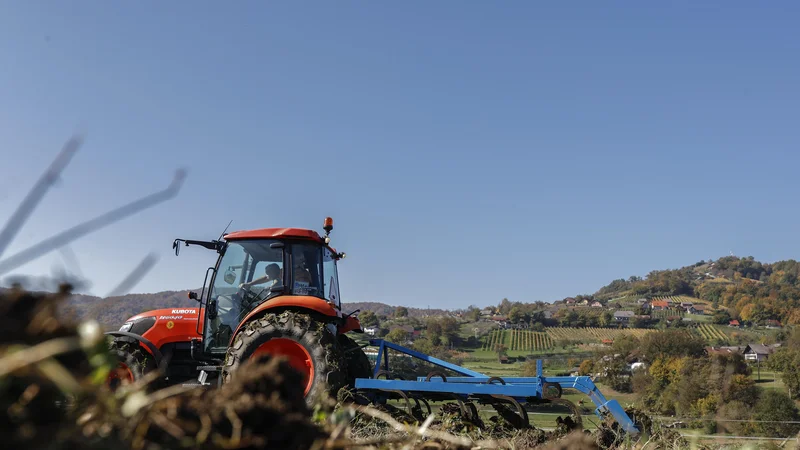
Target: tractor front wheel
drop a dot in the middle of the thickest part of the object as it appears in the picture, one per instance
(133, 363)
(308, 345)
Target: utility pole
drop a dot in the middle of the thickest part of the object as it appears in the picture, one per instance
(758, 364)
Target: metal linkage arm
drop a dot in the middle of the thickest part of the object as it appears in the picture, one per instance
(383, 345)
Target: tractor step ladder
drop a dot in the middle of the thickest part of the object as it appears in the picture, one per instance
(202, 377)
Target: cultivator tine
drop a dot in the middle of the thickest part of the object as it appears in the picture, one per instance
(464, 411)
(519, 420)
(417, 411)
(405, 397)
(476, 417)
(575, 423)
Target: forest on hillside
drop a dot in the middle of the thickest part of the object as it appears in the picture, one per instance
(751, 290)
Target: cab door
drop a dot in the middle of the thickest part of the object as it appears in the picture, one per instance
(331, 278)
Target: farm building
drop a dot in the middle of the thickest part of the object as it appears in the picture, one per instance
(660, 305)
(758, 352)
(642, 301)
(623, 316)
(695, 310)
(773, 324)
(734, 323)
(500, 320)
(370, 331)
(597, 305)
(724, 350)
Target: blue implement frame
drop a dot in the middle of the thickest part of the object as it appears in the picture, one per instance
(474, 384)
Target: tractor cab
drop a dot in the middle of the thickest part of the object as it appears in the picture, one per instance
(262, 266)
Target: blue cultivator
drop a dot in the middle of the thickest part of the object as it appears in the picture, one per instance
(474, 387)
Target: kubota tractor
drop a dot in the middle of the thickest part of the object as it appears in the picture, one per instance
(272, 290)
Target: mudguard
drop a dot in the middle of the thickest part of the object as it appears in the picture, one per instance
(315, 304)
(148, 345)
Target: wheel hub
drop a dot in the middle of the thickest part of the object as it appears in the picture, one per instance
(122, 374)
(297, 356)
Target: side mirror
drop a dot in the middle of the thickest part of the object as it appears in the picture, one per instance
(230, 276)
(193, 296)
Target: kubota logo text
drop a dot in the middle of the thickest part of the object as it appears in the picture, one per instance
(184, 311)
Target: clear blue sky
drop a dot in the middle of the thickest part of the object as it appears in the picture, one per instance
(467, 151)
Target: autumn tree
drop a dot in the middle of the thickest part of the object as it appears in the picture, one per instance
(398, 336)
(500, 349)
(505, 306)
(473, 313)
(368, 319)
(786, 360)
(401, 311)
(772, 411)
(586, 367)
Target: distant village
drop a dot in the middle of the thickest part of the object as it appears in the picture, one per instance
(617, 313)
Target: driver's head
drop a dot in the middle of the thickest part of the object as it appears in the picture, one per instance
(273, 271)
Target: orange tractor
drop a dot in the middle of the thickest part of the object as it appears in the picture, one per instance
(272, 290)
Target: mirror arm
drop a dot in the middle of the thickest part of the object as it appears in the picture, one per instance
(211, 245)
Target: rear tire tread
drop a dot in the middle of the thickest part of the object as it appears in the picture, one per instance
(328, 360)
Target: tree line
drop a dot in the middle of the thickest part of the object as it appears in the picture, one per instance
(679, 378)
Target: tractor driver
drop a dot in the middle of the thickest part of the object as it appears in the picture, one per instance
(273, 274)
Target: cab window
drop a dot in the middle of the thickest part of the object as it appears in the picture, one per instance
(331, 277)
(306, 270)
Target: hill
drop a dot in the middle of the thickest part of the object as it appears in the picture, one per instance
(111, 312)
(751, 290)
(388, 310)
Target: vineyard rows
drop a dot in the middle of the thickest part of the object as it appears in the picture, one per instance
(531, 341)
(524, 340)
(667, 313)
(678, 299)
(593, 334)
(518, 340)
(710, 332)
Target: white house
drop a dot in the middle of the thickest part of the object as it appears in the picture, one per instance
(758, 352)
(638, 365)
(370, 331)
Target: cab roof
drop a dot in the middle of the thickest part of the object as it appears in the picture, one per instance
(275, 233)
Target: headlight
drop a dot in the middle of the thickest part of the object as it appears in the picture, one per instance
(126, 326)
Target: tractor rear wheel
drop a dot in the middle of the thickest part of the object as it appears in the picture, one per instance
(358, 365)
(308, 345)
(133, 364)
